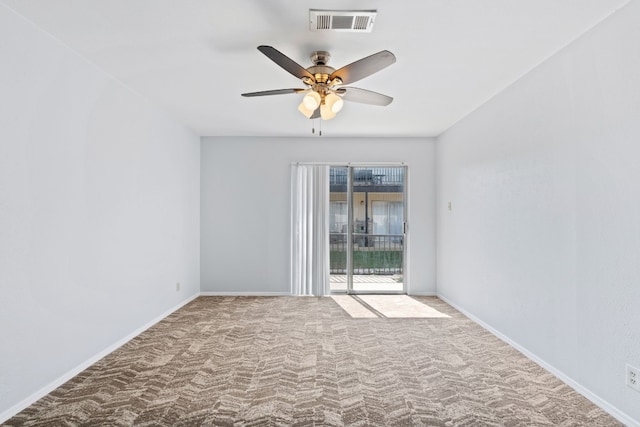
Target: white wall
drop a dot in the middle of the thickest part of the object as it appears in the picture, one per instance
(543, 239)
(99, 211)
(246, 199)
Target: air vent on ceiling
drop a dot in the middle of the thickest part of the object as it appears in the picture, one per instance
(352, 21)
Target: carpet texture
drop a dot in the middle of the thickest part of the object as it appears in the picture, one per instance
(306, 361)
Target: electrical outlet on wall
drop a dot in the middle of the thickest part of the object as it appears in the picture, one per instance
(177, 286)
(633, 377)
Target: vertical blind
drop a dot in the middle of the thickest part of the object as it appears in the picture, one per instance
(309, 229)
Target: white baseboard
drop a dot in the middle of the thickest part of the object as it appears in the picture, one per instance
(597, 400)
(28, 401)
(245, 294)
(422, 294)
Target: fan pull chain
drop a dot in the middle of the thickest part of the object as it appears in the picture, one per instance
(313, 127)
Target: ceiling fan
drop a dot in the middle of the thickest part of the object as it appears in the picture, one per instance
(324, 93)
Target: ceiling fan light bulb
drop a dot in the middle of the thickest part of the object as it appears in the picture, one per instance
(311, 100)
(326, 113)
(337, 106)
(305, 111)
(334, 102)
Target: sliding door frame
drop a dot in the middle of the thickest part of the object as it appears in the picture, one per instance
(350, 221)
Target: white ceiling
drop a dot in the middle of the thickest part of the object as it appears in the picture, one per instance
(195, 57)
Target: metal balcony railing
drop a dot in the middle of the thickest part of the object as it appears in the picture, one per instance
(371, 176)
(379, 254)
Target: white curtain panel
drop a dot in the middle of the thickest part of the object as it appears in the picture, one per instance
(309, 229)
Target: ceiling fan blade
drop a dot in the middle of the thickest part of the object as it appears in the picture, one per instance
(364, 67)
(274, 92)
(285, 62)
(363, 96)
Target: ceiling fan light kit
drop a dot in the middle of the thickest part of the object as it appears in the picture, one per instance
(324, 94)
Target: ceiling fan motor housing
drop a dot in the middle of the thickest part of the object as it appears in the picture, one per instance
(320, 70)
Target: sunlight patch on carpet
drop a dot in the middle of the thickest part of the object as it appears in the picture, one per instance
(401, 306)
(354, 308)
(386, 306)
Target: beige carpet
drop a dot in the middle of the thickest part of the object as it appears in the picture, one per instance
(306, 361)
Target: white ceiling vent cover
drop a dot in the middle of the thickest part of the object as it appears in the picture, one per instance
(348, 21)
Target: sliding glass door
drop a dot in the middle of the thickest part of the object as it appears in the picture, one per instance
(367, 229)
